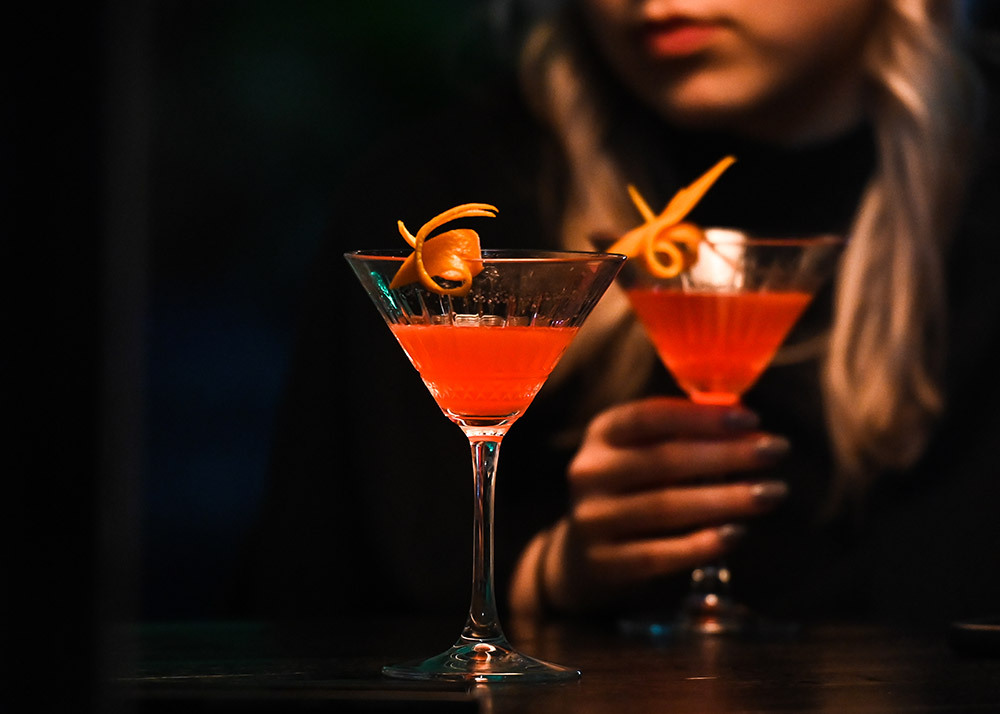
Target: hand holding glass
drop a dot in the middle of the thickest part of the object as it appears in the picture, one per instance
(716, 326)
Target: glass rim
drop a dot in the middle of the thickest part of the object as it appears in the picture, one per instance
(730, 236)
(497, 255)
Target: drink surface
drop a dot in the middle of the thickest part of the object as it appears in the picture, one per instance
(716, 345)
(483, 370)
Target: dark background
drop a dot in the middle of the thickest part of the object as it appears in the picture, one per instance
(257, 111)
(197, 145)
(167, 169)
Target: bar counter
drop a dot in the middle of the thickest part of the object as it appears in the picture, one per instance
(259, 667)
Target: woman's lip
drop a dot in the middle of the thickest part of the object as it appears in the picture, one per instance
(678, 37)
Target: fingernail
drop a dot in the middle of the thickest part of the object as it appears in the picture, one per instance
(770, 447)
(768, 493)
(740, 420)
(731, 533)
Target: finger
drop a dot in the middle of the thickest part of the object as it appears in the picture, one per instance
(638, 561)
(657, 418)
(603, 469)
(616, 518)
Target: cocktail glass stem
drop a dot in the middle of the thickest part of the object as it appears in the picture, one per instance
(483, 623)
(482, 652)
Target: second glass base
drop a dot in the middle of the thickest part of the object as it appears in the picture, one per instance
(709, 609)
(719, 618)
(713, 614)
(482, 661)
(665, 629)
(707, 617)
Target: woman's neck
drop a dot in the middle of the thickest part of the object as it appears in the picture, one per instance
(813, 113)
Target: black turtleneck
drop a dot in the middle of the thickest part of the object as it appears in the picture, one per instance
(780, 191)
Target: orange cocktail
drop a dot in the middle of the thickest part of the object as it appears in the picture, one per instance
(716, 344)
(483, 370)
(716, 303)
(484, 328)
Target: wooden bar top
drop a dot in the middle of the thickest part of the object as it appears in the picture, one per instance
(261, 667)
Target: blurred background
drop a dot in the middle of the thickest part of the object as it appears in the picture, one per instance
(193, 147)
(252, 113)
(256, 112)
(167, 169)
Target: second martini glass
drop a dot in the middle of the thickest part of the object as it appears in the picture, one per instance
(484, 356)
(716, 326)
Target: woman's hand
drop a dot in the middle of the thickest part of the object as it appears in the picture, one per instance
(648, 500)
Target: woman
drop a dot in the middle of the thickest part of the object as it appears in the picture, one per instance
(855, 468)
(791, 76)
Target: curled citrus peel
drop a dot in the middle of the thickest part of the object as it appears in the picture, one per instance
(667, 243)
(445, 255)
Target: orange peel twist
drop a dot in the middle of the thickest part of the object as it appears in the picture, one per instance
(446, 255)
(667, 243)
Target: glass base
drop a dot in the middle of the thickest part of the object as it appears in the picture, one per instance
(482, 661)
(708, 609)
(692, 623)
(713, 614)
(686, 624)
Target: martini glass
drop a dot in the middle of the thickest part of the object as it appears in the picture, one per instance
(483, 357)
(716, 327)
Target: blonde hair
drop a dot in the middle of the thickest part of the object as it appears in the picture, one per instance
(882, 377)
(882, 372)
